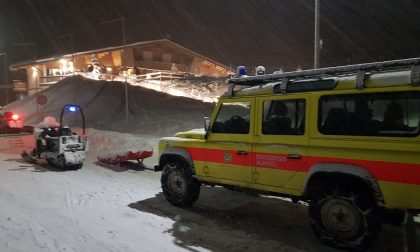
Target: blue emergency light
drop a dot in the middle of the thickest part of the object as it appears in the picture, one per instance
(71, 108)
(241, 71)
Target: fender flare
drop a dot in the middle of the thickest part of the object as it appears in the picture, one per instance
(345, 169)
(180, 152)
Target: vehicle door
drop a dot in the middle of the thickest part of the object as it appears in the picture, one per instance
(282, 138)
(229, 144)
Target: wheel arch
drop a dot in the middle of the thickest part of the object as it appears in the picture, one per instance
(342, 170)
(173, 152)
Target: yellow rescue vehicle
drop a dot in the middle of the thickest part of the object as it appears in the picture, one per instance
(345, 139)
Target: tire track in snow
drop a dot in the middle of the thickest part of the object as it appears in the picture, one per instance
(85, 237)
(37, 225)
(75, 222)
(115, 179)
(68, 200)
(56, 237)
(38, 240)
(107, 179)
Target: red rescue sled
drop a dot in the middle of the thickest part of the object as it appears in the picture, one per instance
(128, 156)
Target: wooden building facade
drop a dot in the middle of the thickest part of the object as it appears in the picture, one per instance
(133, 59)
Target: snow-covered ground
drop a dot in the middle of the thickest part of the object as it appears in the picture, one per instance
(121, 208)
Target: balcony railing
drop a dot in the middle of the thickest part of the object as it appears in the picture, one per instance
(51, 79)
(155, 76)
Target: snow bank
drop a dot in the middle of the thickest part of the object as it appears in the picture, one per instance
(200, 88)
(107, 144)
(103, 102)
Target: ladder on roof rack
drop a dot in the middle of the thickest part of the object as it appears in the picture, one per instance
(360, 69)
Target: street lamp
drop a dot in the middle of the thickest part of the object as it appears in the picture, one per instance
(122, 20)
(4, 54)
(33, 45)
(71, 45)
(317, 47)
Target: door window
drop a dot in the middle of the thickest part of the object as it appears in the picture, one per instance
(233, 118)
(284, 117)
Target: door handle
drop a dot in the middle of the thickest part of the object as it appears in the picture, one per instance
(294, 156)
(242, 153)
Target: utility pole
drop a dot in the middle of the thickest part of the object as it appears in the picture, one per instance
(33, 45)
(317, 40)
(6, 80)
(122, 20)
(37, 87)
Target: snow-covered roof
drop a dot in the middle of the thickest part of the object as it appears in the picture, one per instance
(112, 48)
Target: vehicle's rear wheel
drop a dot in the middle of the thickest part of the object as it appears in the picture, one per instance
(343, 214)
(178, 184)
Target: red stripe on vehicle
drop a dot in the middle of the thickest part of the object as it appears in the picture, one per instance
(384, 171)
(220, 156)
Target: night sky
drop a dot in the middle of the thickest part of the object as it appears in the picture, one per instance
(273, 33)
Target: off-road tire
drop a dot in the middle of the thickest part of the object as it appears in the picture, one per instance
(344, 214)
(179, 186)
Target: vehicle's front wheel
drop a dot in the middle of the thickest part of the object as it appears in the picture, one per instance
(178, 184)
(343, 216)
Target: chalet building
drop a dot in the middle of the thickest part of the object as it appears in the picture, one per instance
(139, 60)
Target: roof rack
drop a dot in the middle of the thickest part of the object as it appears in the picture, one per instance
(360, 69)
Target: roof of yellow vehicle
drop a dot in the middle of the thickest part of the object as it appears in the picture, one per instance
(371, 75)
(395, 79)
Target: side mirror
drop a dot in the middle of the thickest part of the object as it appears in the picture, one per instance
(206, 126)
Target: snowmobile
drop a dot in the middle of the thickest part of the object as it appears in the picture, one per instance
(58, 145)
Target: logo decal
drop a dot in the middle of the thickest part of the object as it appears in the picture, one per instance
(227, 157)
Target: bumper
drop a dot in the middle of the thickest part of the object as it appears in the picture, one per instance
(74, 157)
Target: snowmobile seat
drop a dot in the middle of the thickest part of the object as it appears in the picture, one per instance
(49, 132)
(65, 131)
